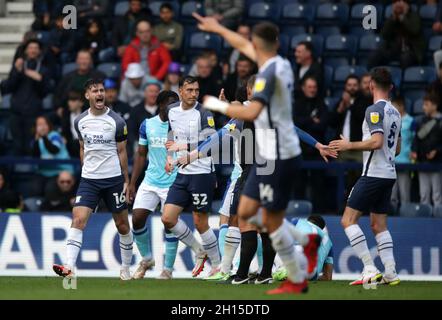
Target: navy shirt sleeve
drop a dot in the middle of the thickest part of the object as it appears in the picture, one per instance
(374, 116)
(121, 130)
(265, 85)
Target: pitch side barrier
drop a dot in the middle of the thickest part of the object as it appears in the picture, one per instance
(337, 169)
(31, 242)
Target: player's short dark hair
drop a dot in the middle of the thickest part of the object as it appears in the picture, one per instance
(187, 79)
(93, 82)
(431, 97)
(165, 95)
(318, 220)
(267, 31)
(167, 6)
(251, 81)
(382, 78)
(352, 76)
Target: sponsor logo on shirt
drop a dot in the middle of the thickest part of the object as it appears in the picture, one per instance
(211, 121)
(260, 84)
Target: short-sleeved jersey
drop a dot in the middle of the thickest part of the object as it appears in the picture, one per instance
(192, 127)
(274, 128)
(100, 135)
(381, 117)
(153, 134)
(325, 250)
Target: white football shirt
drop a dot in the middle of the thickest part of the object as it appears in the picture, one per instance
(100, 135)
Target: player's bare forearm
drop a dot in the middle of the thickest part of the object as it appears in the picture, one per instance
(139, 163)
(81, 152)
(248, 113)
(374, 143)
(122, 155)
(398, 147)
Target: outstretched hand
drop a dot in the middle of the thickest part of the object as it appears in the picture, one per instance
(340, 145)
(326, 152)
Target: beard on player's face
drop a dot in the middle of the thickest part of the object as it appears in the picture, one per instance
(97, 98)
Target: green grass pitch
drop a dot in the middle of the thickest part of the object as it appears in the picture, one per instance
(195, 289)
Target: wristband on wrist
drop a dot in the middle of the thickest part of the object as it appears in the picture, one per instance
(215, 104)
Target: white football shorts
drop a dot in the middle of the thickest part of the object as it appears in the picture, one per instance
(148, 197)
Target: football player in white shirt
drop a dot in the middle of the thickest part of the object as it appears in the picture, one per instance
(372, 192)
(278, 144)
(104, 175)
(191, 124)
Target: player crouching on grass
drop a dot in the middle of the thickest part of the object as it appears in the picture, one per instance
(154, 188)
(104, 175)
(324, 267)
(381, 143)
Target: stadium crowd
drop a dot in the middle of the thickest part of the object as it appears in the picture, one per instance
(143, 47)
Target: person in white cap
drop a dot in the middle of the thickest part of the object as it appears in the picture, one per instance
(132, 87)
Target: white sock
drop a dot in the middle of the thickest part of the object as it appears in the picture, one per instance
(73, 246)
(359, 244)
(299, 236)
(233, 239)
(182, 232)
(126, 247)
(210, 245)
(284, 245)
(385, 249)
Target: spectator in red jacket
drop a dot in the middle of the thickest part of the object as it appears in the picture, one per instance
(147, 50)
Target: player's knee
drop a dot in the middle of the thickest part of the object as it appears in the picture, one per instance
(137, 224)
(122, 226)
(377, 227)
(244, 213)
(139, 220)
(201, 221)
(78, 223)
